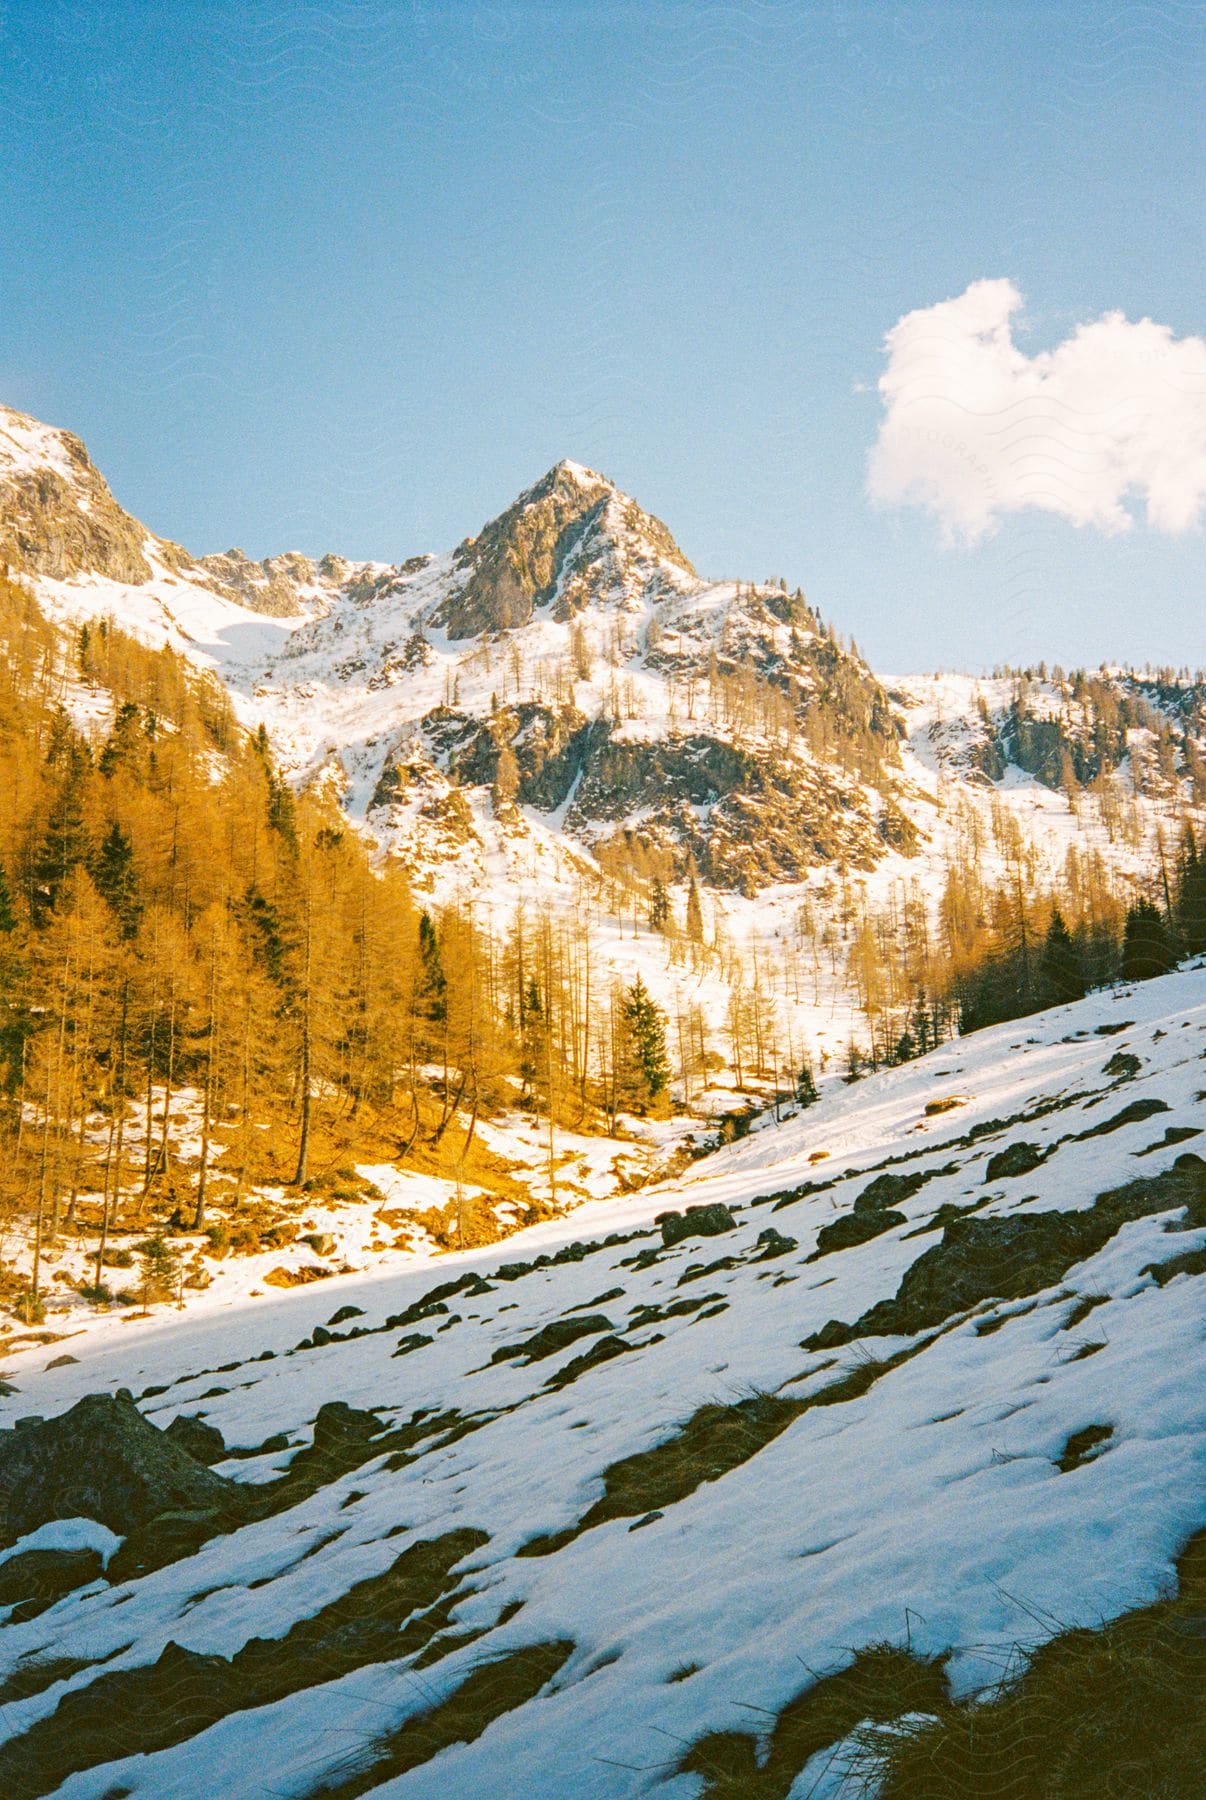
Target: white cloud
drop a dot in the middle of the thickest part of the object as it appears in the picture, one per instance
(973, 428)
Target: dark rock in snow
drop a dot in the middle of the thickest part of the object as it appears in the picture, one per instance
(832, 1335)
(1130, 1115)
(104, 1461)
(553, 1337)
(1009, 1258)
(338, 1424)
(203, 1442)
(35, 1579)
(345, 1313)
(856, 1228)
(1015, 1159)
(772, 1243)
(697, 1221)
(890, 1190)
(169, 1536)
(603, 1350)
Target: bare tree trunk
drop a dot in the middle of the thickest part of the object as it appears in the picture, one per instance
(208, 1092)
(303, 1146)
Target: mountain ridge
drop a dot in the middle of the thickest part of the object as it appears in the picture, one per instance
(563, 692)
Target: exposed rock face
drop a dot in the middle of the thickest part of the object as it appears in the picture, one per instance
(35, 1579)
(571, 538)
(270, 586)
(103, 1461)
(198, 1439)
(57, 516)
(1015, 1159)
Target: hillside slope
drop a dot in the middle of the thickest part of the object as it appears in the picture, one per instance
(935, 1383)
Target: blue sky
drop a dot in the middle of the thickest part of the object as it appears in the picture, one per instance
(348, 276)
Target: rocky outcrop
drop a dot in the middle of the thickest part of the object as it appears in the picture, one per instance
(32, 1580)
(57, 516)
(103, 1461)
(272, 586)
(698, 1221)
(59, 519)
(570, 538)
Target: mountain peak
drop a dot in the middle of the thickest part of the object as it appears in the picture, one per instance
(57, 515)
(26, 445)
(571, 538)
(568, 473)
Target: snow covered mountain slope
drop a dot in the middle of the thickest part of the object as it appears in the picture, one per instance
(934, 1380)
(565, 678)
(561, 711)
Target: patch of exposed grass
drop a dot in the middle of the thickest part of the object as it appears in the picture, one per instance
(1083, 1446)
(716, 1439)
(34, 1674)
(1192, 1262)
(1115, 1712)
(881, 1683)
(495, 1687)
(1085, 1304)
(603, 1350)
(137, 1711)
(1130, 1115)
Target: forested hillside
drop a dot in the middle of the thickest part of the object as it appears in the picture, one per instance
(209, 988)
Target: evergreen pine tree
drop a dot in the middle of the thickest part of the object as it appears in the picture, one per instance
(645, 1026)
(659, 906)
(433, 983)
(116, 878)
(64, 844)
(1147, 946)
(694, 912)
(121, 745)
(531, 1034)
(159, 1269)
(1061, 973)
(1191, 897)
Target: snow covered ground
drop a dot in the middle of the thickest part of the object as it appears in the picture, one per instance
(937, 1503)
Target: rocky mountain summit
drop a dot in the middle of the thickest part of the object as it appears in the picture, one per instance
(571, 540)
(565, 685)
(59, 520)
